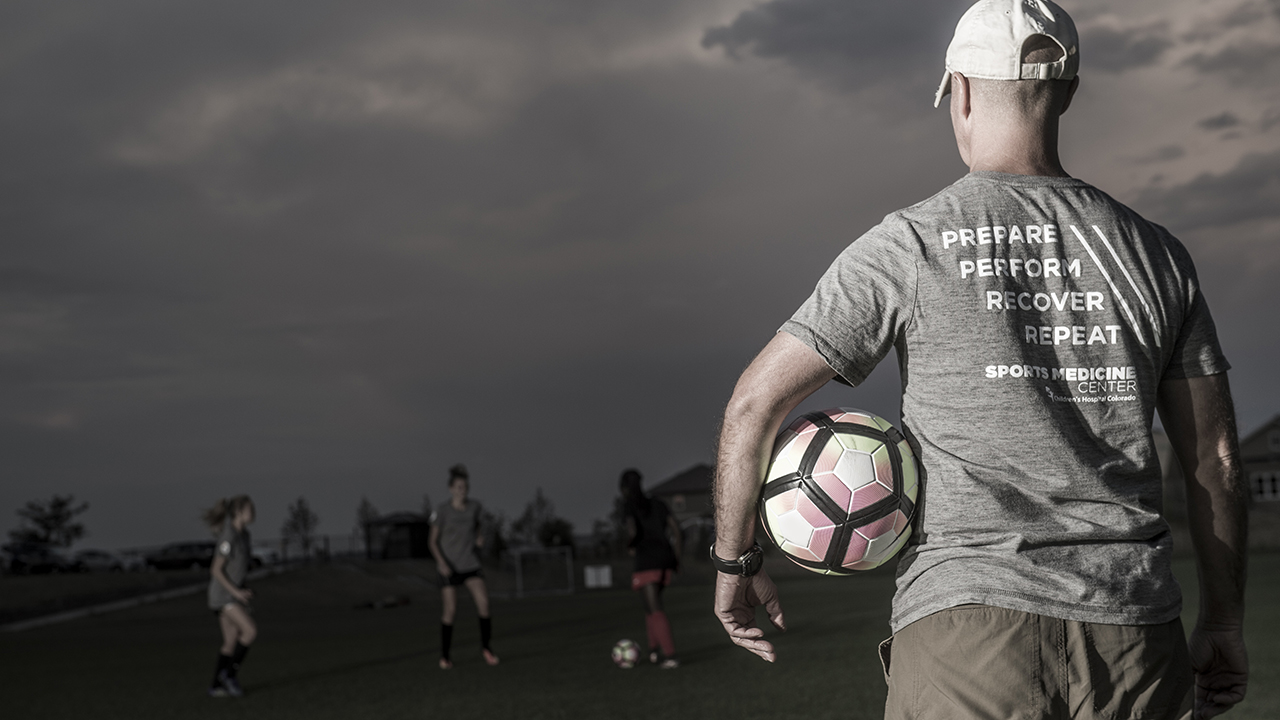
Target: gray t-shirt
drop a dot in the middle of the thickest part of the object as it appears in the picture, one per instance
(458, 531)
(234, 546)
(1034, 318)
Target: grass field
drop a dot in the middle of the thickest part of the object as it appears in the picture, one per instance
(318, 657)
(26, 596)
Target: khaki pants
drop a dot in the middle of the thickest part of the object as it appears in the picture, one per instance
(979, 662)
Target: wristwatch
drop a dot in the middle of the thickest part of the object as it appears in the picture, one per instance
(747, 564)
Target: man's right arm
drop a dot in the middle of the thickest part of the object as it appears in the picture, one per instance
(1199, 418)
(786, 372)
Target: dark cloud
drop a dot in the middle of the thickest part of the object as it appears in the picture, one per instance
(1251, 63)
(858, 43)
(1249, 191)
(1270, 118)
(1246, 14)
(1112, 49)
(1164, 153)
(1221, 121)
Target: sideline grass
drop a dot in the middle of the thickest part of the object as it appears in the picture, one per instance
(320, 658)
(26, 596)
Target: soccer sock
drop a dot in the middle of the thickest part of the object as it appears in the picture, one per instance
(446, 639)
(237, 657)
(662, 631)
(486, 632)
(650, 635)
(224, 662)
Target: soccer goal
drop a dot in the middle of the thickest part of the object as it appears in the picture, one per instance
(536, 571)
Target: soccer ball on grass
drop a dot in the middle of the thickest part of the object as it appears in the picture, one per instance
(625, 654)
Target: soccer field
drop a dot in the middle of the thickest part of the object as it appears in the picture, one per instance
(319, 657)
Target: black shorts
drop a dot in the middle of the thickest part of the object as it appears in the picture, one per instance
(458, 578)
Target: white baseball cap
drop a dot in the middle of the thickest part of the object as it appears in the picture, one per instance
(989, 39)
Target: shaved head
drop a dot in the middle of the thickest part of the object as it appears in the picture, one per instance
(1033, 100)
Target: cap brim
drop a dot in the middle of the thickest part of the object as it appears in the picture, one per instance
(944, 88)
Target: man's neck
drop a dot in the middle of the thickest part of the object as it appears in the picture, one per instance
(1012, 149)
(1021, 166)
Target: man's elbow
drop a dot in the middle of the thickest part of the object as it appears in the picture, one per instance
(749, 406)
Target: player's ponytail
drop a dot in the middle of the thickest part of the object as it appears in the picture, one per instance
(216, 516)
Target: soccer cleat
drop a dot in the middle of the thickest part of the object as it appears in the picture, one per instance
(217, 691)
(230, 684)
(489, 657)
(446, 664)
(670, 664)
(653, 656)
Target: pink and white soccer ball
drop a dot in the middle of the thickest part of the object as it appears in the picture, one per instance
(840, 492)
(626, 653)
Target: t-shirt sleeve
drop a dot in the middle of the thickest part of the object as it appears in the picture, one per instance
(1196, 351)
(863, 303)
(226, 540)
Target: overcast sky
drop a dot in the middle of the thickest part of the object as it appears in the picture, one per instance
(329, 249)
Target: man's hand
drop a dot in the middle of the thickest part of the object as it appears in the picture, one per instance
(1222, 669)
(736, 600)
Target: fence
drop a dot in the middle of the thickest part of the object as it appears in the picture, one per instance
(526, 572)
(321, 547)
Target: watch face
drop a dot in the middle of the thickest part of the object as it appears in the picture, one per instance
(752, 561)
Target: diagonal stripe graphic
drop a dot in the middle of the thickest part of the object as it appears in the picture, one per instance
(1141, 298)
(1133, 323)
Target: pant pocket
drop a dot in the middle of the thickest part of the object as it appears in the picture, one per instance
(1138, 671)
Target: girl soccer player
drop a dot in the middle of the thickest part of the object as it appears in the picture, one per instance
(649, 523)
(455, 537)
(228, 597)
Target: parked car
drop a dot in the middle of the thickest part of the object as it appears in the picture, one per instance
(263, 555)
(33, 558)
(98, 560)
(182, 556)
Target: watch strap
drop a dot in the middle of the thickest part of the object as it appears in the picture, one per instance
(741, 565)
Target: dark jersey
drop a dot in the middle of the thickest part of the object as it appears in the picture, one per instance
(653, 550)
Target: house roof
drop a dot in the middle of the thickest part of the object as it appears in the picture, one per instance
(696, 479)
(1258, 432)
(1255, 446)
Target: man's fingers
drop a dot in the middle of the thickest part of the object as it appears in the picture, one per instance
(745, 632)
(762, 648)
(1212, 703)
(777, 620)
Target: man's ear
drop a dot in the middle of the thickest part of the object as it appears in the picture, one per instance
(960, 95)
(1071, 92)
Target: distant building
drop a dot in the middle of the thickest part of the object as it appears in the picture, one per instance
(1260, 458)
(399, 535)
(1260, 454)
(688, 494)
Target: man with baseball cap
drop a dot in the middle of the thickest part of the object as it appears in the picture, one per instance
(1039, 326)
